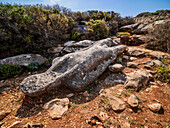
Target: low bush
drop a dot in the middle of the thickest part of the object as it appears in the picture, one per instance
(122, 34)
(98, 29)
(8, 70)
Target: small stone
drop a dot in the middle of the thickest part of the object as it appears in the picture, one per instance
(70, 95)
(116, 68)
(103, 116)
(155, 107)
(132, 64)
(86, 94)
(157, 62)
(125, 57)
(14, 124)
(133, 58)
(98, 123)
(133, 101)
(3, 114)
(57, 107)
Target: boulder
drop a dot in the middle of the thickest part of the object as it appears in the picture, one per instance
(75, 70)
(133, 101)
(116, 68)
(114, 79)
(137, 79)
(155, 107)
(57, 107)
(24, 59)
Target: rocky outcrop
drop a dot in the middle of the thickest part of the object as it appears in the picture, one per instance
(75, 70)
(24, 60)
(137, 79)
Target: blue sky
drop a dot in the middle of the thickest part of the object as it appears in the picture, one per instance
(124, 7)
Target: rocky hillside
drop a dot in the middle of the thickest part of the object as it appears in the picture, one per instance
(103, 84)
(59, 69)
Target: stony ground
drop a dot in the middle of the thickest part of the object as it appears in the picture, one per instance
(86, 107)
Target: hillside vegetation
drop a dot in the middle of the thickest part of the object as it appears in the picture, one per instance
(25, 29)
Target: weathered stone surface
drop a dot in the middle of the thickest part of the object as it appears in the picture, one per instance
(116, 68)
(24, 59)
(116, 103)
(57, 107)
(71, 49)
(138, 40)
(132, 64)
(75, 70)
(69, 43)
(133, 101)
(129, 28)
(137, 79)
(136, 53)
(15, 124)
(55, 50)
(116, 78)
(155, 107)
(3, 114)
(84, 43)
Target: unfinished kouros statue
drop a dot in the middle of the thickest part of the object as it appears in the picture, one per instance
(75, 70)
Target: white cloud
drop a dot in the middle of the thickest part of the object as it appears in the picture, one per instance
(54, 1)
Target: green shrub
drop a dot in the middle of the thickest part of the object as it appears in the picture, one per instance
(162, 73)
(8, 70)
(33, 66)
(122, 34)
(98, 29)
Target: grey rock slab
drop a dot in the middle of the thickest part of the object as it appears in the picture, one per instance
(116, 68)
(133, 101)
(155, 107)
(136, 53)
(132, 64)
(137, 79)
(114, 79)
(57, 107)
(75, 70)
(69, 43)
(24, 59)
